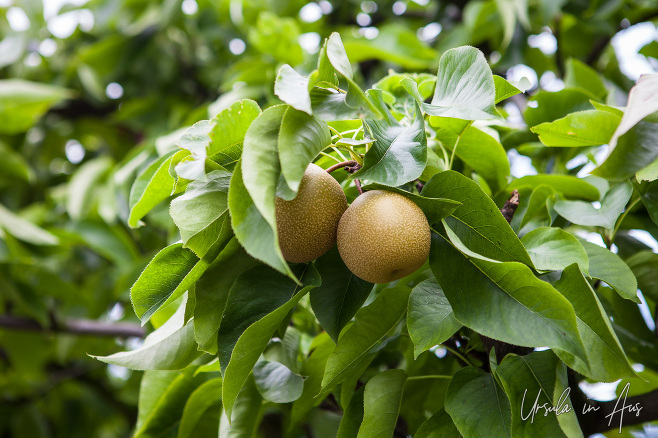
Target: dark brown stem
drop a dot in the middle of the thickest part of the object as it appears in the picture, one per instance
(510, 206)
(419, 185)
(75, 326)
(347, 165)
(357, 183)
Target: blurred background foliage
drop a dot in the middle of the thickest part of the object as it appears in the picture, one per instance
(92, 92)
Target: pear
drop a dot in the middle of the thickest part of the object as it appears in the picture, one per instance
(307, 224)
(383, 236)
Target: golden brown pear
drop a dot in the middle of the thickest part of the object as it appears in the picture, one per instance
(307, 224)
(383, 237)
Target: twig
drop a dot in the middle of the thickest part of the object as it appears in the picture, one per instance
(357, 183)
(347, 165)
(510, 206)
(75, 326)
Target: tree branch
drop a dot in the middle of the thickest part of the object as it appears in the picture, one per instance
(75, 326)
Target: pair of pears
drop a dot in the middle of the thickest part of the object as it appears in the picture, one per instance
(382, 236)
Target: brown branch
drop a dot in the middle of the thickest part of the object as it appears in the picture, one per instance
(357, 183)
(510, 206)
(347, 165)
(75, 326)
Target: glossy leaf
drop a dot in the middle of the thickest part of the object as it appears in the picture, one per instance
(649, 196)
(381, 403)
(583, 213)
(340, 295)
(292, 88)
(399, 153)
(370, 326)
(246, 414)
(439, 425)
(478, 405)
(276, 383)
(553, 249)
(505, 90)
(529, 311)
(607, 360)
(352, 416)
(151, 187)
(301, 139)
(204, 402)
(477, 222)
(551, 106)
(229, 131)
(430, 319)
(582, 128)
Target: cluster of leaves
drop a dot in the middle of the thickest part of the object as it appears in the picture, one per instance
(66, 252)
(247, 320)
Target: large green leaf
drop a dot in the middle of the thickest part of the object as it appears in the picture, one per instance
(171, 272)
(292, 88)
(478, 405)
(301, 139)
(504, 301)
(399, 153)
(151, 187)
(582, 128)
(202, 410)
(553, 249)
(381, 404)
(371, 325)
(477, 222)
(253, 231)
(250, 320)
(547, 106)
(607, 266)
(435, 209)
(22, 103)
(277, 383)
(569, 186)
(464, 86)
(212, 291)
(352, 416)
(246, 413)
(650, 199)
(201, 213)
(230, 128)
(608, 362)
(644, 266)
(170, 347)
(584, 213)
(539, 377)
(340, 295)
(633, 151)
(430, 319)
(582, 76)
(439, 425)
(481, 152)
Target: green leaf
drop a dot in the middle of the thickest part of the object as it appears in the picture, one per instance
(276, 383)
(246, 414)
(292, 88)
(542, 377)
(162, 399)
(394, 43)
(352, 416)
(553, 249)
(529, 311)
(340, 295)
(607, 266)
(555, 105)
(580, 75)
(229, 131)
(151, 187)
(381, 403)
(435, 209)
(212, 291)
(430, 319)
(477, 222)
(355, 97)
(537, 205)
(170, 347)
(478, 405)
(439, 425)
(24, 230)
(633, 151)
(253, 231)
(171, 272)
(370, 326)
(203, 405)
(83, 186)
(649, 196)
(569, 186)
(22, 103)
(608, 362)
(644, 266)
(481, 152)
(399, 153)
(649, 173)
(301, 139)
(13, 165)
(584, 213)
(582, 128)
(250, 320)
(505, 90)
(465, 86)
(201, 213)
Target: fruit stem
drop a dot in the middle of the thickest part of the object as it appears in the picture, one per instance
(357, 183)
(345, 164)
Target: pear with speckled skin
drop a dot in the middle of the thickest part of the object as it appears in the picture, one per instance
(307, 225)
(383, 237)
